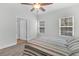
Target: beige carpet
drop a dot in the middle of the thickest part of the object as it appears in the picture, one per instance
(16, 50)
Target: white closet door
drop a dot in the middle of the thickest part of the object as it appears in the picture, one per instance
(23, 29)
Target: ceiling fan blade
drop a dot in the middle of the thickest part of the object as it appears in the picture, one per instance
(44, 4)
(27, 3)
(32, 9)
(42, 9)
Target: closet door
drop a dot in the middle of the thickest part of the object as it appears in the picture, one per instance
(23, 29)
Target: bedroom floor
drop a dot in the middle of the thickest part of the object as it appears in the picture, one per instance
(16, 50)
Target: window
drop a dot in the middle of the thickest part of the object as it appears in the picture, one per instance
(42, 27)
(66, 26)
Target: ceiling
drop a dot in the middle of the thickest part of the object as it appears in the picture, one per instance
(53, 7)
(57, 6)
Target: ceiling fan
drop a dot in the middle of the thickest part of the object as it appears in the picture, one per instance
(37, 5)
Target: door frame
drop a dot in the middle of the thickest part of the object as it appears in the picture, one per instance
(19, 19)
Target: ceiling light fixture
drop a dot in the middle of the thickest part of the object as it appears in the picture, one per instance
(36, 5)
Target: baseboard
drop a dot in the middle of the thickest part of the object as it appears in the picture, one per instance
(7, 46)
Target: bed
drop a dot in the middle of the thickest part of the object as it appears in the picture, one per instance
(48, 46)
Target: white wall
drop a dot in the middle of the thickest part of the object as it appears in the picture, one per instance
(7, 25)
(52, 20)
(8, 15)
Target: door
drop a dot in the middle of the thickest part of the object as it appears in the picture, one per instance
(22, 29)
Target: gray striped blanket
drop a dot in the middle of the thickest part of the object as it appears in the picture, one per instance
(39, 47)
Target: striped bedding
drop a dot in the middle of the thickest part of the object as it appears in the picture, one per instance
(73, 46)
(42, 47)
(46, 48)
(54, 46)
